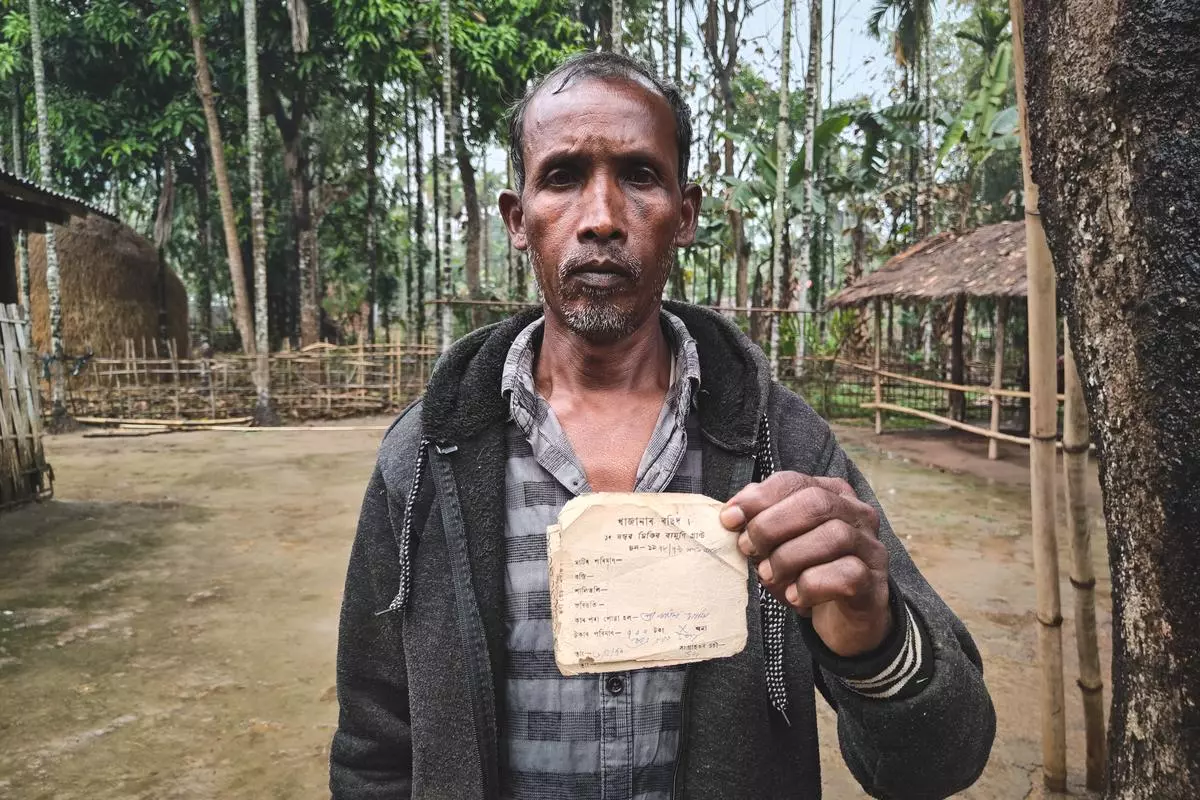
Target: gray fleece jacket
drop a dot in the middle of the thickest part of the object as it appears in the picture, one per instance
(421, 642)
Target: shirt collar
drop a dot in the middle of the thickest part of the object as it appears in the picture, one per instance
(518, 364)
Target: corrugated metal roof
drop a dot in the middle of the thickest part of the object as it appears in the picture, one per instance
(72, 205)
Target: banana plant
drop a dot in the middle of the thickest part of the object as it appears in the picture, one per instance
(984, 126)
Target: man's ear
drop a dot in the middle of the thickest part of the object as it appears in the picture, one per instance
(689, 215)
(514, 218)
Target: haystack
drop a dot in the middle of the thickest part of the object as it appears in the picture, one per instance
(110, 290)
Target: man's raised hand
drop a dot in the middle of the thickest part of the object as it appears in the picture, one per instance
(818, 550)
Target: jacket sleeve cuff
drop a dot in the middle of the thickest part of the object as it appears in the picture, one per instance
(900, 667)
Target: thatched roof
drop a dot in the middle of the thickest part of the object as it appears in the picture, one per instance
(985, 262)
(109, 278)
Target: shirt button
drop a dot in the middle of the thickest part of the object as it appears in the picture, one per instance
(615, 685)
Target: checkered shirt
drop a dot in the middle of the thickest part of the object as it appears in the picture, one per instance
(612, 736)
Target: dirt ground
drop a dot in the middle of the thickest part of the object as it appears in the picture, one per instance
(168, 621)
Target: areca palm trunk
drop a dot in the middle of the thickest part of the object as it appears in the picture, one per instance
(812, 106)
(237, 269)
(448, 155)
(372, 197)
(783, 136)
(258, 232)
(419, 221)
(618, 23)
(53, 285)
(18, 152)
(664, 18)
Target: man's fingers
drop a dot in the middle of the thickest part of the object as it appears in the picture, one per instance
(801, 512)
(824, 544)
(843, 579)
(754, 498)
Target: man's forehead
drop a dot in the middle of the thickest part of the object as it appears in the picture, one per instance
(560, 108)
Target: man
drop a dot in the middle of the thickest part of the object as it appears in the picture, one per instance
(446, 675)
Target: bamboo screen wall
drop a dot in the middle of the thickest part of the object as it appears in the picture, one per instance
(24, 473)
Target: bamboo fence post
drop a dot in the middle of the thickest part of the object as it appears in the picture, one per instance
(1043, 426)
(174, 374)
(877, 380)
(997, 373)
(1083, 575)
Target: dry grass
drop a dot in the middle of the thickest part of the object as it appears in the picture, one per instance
(110, 289)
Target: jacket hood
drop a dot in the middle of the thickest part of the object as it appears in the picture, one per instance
(463, 397)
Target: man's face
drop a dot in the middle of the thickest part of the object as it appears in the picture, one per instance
(602, 210)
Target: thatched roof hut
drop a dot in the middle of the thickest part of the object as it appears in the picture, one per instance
(985, 262)
(110, 290)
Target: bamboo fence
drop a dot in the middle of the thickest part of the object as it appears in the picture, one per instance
(24, 473)
(321, 381)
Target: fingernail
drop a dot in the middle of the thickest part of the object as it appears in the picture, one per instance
(733, 518)
(792, 594)
(745, 545)
(765, 573)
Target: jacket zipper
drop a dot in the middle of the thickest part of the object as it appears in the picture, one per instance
(476, 690)
(685, 704)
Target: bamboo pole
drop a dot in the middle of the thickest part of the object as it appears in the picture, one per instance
(1083, 576)
(876, 379)
(947, 421)
(1043, 425)
(997, 373)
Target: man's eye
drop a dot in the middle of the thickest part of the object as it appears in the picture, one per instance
(559, 177)
(643, 175)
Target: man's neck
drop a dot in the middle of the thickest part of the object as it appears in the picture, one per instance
(567, 362)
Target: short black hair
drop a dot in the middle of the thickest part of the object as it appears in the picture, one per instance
(599, 65)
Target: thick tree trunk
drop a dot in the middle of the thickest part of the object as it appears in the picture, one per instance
(263, 413)
(372, 195)
(18, 152)
(783, 157)
(812, 105)
(216, 146)
(1115, 126)
(58, 387)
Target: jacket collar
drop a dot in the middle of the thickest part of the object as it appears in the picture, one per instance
(463, 397)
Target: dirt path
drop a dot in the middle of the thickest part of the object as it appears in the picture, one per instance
(167, 624)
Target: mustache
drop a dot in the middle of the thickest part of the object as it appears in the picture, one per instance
(579, 260)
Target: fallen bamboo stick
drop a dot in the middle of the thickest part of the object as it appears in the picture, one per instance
(293, 428)
(163, 422)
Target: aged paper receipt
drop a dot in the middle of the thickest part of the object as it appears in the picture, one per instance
(644, 580)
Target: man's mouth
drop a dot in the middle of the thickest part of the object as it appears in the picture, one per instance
(600, 274)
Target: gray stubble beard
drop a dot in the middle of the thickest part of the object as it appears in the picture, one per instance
(599, 319)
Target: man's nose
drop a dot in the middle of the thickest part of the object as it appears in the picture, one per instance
(603, 217)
